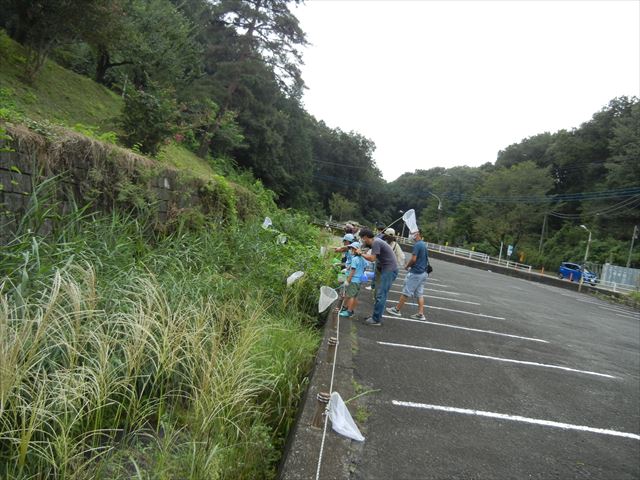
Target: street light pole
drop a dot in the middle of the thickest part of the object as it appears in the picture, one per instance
(586, 255)
(633, 238)
(439, 215)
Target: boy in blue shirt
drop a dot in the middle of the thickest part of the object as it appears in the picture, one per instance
(352, 283)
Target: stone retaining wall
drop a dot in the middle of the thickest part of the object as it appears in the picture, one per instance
(88, 171)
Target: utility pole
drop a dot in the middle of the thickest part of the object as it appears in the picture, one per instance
(633, 238)
(586, 255)
(544, 224)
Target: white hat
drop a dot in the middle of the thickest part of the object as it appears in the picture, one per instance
(390, 231)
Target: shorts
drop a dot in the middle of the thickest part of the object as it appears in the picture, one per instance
(414, 284)
(352, 290)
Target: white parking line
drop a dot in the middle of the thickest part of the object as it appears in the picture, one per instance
(442, 298)
(499, 359)
(623, 311)
(490, 332)
(436, 285)
(429, 279)
(604, 306)
(628, 316)
(429, 282)
(517, 418)
(441, 291)
(452, 310)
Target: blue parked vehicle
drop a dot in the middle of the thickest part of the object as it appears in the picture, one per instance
(573, 272)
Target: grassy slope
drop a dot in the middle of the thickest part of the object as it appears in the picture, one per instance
(63, 97)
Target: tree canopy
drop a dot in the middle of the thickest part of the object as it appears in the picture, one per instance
(223, 77)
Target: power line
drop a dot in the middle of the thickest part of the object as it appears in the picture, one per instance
(343, 165)
(627, 203)
(578, 196)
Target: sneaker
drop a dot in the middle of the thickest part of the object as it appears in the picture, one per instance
(394, 311)
(346, 313)
(371, 322)
(418, 316)
(368, 287)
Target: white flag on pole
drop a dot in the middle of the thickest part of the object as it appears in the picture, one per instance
(409, 218)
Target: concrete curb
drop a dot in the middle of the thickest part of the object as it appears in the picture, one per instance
(300, 459)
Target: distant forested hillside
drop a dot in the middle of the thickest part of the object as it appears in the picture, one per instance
(539, 191)
(222, 80)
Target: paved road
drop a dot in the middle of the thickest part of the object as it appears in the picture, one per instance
(564, 366)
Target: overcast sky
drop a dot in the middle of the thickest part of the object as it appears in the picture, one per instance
(446, 83)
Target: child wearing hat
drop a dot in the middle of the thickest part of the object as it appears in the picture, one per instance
(347, 240)
(352, 283)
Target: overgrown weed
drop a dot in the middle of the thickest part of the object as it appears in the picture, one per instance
(125, 353)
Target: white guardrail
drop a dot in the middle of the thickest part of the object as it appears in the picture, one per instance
(617, 287)
(478, 256)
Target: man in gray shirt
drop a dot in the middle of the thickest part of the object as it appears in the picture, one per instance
(381, 253)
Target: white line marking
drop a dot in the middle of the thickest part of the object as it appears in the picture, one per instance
(452, 310)
(428, 281)
(628, 316)
(612, 309)
(441, 291)
(499, 359)
(518, 418)
(491, 332)
(441, 298)
(617, 310)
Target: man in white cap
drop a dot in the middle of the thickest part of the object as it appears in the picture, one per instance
(390, 238)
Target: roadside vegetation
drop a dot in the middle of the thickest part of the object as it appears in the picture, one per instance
(129, 353)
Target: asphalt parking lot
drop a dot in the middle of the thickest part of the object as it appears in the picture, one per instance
(506, 379)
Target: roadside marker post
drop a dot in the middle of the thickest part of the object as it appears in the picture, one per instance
(321, 407)
(332, 343)
(334, 318)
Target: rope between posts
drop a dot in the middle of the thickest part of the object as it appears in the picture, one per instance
(326, 412)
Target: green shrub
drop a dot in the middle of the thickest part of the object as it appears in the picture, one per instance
(149, 119)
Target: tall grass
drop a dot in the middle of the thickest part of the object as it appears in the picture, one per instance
(125, 354)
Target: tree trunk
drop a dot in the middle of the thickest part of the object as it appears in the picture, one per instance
(103, 64)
